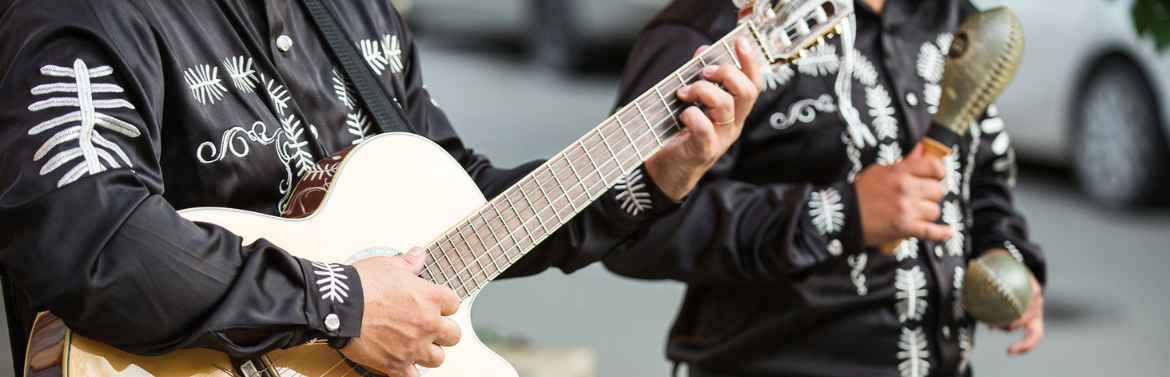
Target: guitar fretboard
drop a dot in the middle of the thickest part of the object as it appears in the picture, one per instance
(487, 242)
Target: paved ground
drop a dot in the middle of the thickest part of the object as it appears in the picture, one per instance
(1107, 297)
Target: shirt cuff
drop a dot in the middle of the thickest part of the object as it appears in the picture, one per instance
(636, 198)
(334, 300)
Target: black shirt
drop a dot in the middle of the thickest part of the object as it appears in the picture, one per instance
(770, 245)
(115, 113)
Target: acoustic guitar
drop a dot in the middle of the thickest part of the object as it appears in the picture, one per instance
(347, 204)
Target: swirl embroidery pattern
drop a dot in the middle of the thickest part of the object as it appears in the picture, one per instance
(804, 111)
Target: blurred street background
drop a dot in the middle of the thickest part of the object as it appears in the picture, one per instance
(1107, 299)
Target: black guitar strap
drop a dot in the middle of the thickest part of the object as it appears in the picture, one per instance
(371, 94)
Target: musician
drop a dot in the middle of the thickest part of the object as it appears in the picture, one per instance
(779, 244)
(116, 114)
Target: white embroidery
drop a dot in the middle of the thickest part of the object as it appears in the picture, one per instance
(854, 155)
(1013, 250)
(966, 347)
(954, 176)
(944, 42)
(632, 193)
(276, 93)
(881, 109)
(952, 215)
(343, 89)
(931, 94)
(95, 151)
(331, 282)
(957, 282)
(778, 76)
(913, 354)
(204, 82)
(234, 140)
(358, 125)
(827, 210)
(295, 144)
(908, 249)
(372, 52)
(393, 53)
(911, 295)
(834, 247)
(889, 154)
(864, 71)
(242, 73)
(931, 65)
(820, 61)
(857, 264)
(804, 111)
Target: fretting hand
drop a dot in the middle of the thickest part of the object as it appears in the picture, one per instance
(728, 93)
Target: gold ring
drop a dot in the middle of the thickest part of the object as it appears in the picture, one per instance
(726, 123)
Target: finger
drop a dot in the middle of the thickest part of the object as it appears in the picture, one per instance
(720, 105)
(927, 210)
(750, 62)
(733, 80)
(700, 50)
(449, 333)
(446, 299)
(701, 132)
(928, 189)
(416, 259)
(926, 167)
(407, 371)
(927, 230)
(433, 357)
(1033, 333)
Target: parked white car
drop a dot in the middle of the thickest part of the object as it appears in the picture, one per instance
(1092, 95)
(559, 31)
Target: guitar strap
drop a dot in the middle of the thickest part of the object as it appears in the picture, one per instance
(387, 115)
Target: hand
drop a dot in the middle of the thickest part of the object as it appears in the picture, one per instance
(1032, 322)
(404, 321)
(901, 200)
(705, 137)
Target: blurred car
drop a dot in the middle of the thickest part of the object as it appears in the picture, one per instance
(1092, 95)
(559, 32)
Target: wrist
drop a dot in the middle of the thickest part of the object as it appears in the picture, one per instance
(673, 182)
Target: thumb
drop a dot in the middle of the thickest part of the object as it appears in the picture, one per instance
(917, 152)
(416, 260)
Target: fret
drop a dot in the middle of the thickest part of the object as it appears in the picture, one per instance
(731, 53)
(487, 250)
(666, 104)
(540, 207)
(646, 119)
(703, 62)
(622, 125)
(523, 220)
(515, 242)
(596, 168)
(549, 199)
(532, 207)
(454, 271)
(561, 186)
(453, 248)
(437, 261)
(678, 74)
(462, 248)
(601, 133)
(580, 182)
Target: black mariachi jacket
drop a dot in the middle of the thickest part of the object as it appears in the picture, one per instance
(114, 114)
(770, 245)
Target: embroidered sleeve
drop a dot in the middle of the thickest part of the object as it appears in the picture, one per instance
(997, 223)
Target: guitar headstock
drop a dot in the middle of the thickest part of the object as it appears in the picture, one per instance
(790, 27)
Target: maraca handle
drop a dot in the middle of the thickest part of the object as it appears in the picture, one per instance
(932, 148)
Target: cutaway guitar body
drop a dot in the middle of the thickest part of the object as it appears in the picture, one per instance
(395, 190)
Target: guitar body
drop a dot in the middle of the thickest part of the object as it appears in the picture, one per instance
(395, 190)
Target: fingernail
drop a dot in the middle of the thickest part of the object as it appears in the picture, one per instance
(708, 71)
(685, 91)
(742, 42)
(415, 252)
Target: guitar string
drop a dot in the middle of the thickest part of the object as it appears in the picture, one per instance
(507, 220)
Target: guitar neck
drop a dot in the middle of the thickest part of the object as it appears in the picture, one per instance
(494, 237)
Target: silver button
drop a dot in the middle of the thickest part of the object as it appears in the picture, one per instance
(835, 247)
(332, 322)
(946, 332)
(938, 251)
(284, 43)
(911, 99)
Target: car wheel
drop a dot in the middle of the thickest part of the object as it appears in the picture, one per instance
(1119, 150)
(554, 41)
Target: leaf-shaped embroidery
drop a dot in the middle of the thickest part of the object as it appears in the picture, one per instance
(358, 125)
(889, 154)
(966, 347)
(944, 41)
(296, 145)
(242, 73)
(393, 53)
(857, 264)
(204, 82)
(331, 282)
(372, 52)
(863, 70)
(911, 295)
(931, 94)
(277, 94)
(908, 249)
(632, 193)
(954, 177)
(881, 109)
(826, 210)
(1013, 250)
(912, 353)
(778, 76)
(81, 126)
(820, 61)
(957, 282)
(343, 89)
(930, 62)
(952, 215)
